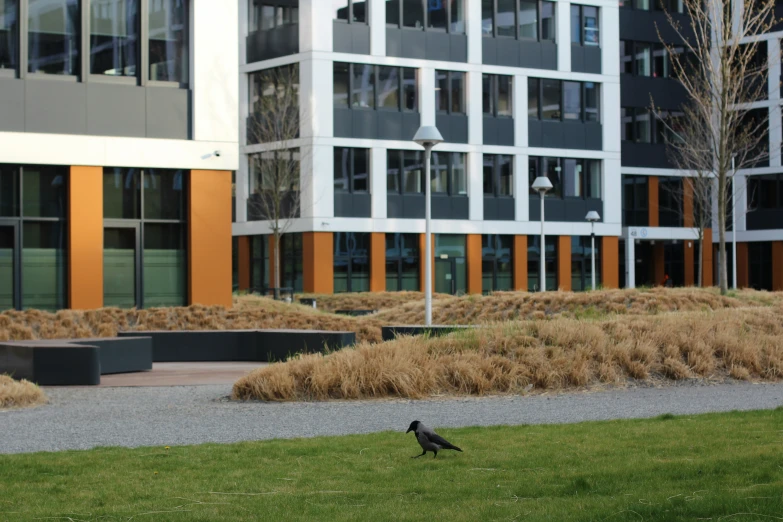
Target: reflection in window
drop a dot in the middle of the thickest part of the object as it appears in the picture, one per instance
(268, 14)
(389, 87)
(487, 17)
(548, 21)
(642, 56)
(550, 263)
(351, 262)
(409, 89)
(114, 37)
(54, 36)
(44, 273)
(402, 262)
(572, 101)
(550, 106)
(9, 23)
(528, 19)
(591, 102)
(413, 13)
(496, 273)
(532, 98)
(340, 9)
(504, 95)
(168, 45)
(413, 173)
(506, 20)
(341, 82)
(363, 86)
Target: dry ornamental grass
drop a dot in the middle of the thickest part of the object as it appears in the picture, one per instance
(19, 394)
(552, 354)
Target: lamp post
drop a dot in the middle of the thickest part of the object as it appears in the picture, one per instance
(592, 217)
(542, 185)
(427, 137)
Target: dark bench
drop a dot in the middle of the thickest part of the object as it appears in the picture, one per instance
(355, 313)
(390, 332)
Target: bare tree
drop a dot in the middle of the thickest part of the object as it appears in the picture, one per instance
(721, 76)
(274, 123)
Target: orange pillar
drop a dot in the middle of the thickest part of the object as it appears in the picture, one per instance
(707, 258)
(519, 257)
(209, 237)
(243, 262)
(689, 249)
(474, 263)
(652, 201)
(318, 261)
(85, 238)
(610, 262)
(658, 264)
(564, 263)
(377, 262)
(743, 275)
(777, 266)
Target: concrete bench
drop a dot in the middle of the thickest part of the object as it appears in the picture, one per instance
(390, 332)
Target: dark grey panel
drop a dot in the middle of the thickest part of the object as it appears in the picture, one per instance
(577, 58)
(365, 124)
(361, 38)
(498, 209)
(453, 127)
(535, 133)
(438, 46)
(460, 207)
(574, 210)
(508, 53)
(351, 205)
(389, 125)
(637, 91)
(552, 134)
(548, 55)
(441, 207)
(594, 136)
(53, 106)
(168, 113)
(351, 38)
(490, 130)
(459, 48)
(489, 52)
(343, 123)
(411, 121)
(11, 105)
(651, 155)
(414, 43)
(498, 131)
(644, 26)
(272, 43)
(429, 45)
(594, 204)
(362, 204)
(413, 206)
(116, 110)
(394, 206)
(393, 42)
(592, 60)
(765, 219)
(573, 135)
(342, 204)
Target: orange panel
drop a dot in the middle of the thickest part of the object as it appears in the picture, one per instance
(610, 262)
(520, 262)
(707, 259)
(85, 238)
(743, 276)
(270, 245)
(689, 248)
(474, 263)
(243, 262)
(687, 203)
(377, 262)
(564, 263)
(777, 266)
(659, 265)
(318, 254)
(209, 234)
(652, 201)
(422, 257)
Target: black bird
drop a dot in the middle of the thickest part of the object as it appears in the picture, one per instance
(429, 440)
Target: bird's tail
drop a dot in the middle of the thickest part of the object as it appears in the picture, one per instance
(453, 447)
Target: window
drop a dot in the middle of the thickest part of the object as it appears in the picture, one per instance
(641, 126)
(448, 174)
(9, 26)
(498, 175)
(274, 93)
(114, 37)
(168, 41)
(53, 36)
(533, 263)
(351, 11)
(274, 170)
(497, 95)
(33, 201)
(649, 59)
(764, 192)
(450, 92)
(372, 86)
(579, 100)
(584, 25)
(635, 201)
(268, 14)
(670, 197)
(496, 264)
(351, 169)
(351, 262)
(444, 16)
(402, 262)
(582, 261)
(570, 177)
(672, 6)
(642, 57)
(520, 19)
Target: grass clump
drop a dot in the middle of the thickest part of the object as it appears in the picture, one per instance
(705, 467)
(555, 354)
(19, 394)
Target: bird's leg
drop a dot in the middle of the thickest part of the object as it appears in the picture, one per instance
(436, 454)
(422, 454)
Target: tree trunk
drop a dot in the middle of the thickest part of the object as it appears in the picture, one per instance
(722, 265)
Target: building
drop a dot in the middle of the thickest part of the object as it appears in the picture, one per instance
(118, 139)
(517, 88)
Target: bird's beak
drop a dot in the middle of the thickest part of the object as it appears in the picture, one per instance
(409, 430)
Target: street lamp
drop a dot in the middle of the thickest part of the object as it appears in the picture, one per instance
(592, 217)
(427, 137)
(542, 185)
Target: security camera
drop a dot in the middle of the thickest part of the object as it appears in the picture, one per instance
(217, 153)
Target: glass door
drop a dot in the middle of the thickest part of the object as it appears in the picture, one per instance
(121, 281)
(9, 252)
(444, 276)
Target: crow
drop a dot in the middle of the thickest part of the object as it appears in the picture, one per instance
(429, 440)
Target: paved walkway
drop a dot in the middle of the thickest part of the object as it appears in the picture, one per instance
(81, 418)
(183, 374)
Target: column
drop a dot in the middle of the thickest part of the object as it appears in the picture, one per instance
(630, 263)
(85, 237)
(377, 262)
(743, 275)
(652, 201)
(377, 27)
(318, 262)
(563, 38)
(474, 96)
(520, 110)
(521, 189)
(243, 262)
(474, 263)
(563, 263)
(427, 96)
(777, 266)
(316, 21)
(612, 192)
(378, 183)
(475, 186)
(707, 259)
(775, 131)
(610, 261)
(519, 257)
(209, 237)
(474, 32)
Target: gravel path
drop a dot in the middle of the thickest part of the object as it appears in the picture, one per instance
(82, 418)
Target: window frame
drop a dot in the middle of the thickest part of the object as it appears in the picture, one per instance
(425, 13)
(349, 257)
(494, 97)
(398, 260)
(351, 170)
(495, 259)
(401, 105)
(350, 13)
(583, 28)
(275, 4)
(553, 194)
(450, 92)
(583, 110)
(496, 174)
(450, 164)
(517, 35)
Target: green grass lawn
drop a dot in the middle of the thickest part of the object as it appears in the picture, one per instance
(710, 467)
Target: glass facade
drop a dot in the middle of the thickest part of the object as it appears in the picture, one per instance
(168, 41)
(9, 29)
(550, 262)
(351, 262)
(53, 29)
(581, 263)
(114, 37)
(402, 262)
(496, 264)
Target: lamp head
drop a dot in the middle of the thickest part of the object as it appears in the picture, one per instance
(428, 136)
(593, 216)
(542, 185)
